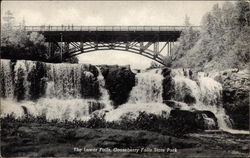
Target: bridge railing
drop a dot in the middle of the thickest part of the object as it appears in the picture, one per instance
(105, 28)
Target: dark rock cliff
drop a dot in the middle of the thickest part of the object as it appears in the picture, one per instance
(168, 85)
(236, 96)
(119, 81)
(169, 91)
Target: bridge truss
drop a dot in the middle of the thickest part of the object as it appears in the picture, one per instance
(157, 51)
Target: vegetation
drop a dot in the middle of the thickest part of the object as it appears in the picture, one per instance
(149, 122)
(222, 42)
(16, 43)
(34, 139)
(154, 65)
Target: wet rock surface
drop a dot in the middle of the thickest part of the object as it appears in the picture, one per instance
(119, 81)
(236, 95)
(25, 139)
(168, 85)
(192, 121)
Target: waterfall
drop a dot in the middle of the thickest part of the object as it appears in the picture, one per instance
(146, 96)
(104, 91)
(148, 89)
(58, 91)
(7, 88)
(206, 94)
(77, 91)
(211, 97)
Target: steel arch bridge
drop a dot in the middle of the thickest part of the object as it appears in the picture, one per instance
(141, 48)
(154, 42)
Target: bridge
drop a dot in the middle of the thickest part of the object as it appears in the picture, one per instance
(154, 42)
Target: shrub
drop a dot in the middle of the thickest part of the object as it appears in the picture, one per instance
(96, 122)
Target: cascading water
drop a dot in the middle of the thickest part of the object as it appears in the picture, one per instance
(58, 91)
(206, 94)
(104, 92)
(146, 96)
(7, 89)
(75, 91)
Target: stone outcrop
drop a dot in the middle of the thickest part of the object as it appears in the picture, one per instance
(119, 81)
(168, 85)
(169, 90)
(191, 121)
(236, 95)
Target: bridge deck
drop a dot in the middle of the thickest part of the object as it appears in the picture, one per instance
(105, 28)
(108, 33)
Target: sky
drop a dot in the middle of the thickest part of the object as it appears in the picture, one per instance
(108, 13)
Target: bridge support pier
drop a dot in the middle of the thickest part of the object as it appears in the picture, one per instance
(81, 47)
(52, 48)
(61, 47)
(49, 50)
(66, 50)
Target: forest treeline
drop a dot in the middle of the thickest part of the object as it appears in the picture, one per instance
(16, 43)
(222, 42)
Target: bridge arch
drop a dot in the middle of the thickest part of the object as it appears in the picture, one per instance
(140, 48)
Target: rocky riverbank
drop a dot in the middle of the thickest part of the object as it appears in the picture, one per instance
(235, 94)
(35, 139)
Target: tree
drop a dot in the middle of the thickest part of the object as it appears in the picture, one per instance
(8, 20)
(243, 11)
(72, 60)
(187, 21)
(153, 65)
(188, 38)
(223, 41)
(7, 27)
(36, 38)
(16, 43)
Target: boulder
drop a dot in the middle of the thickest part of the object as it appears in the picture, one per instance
(192, 121)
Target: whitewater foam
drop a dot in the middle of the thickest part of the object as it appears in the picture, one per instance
(146, 96)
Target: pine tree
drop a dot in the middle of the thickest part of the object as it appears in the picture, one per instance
(187, 40)
(223, 42)
(7, 28)
(243, 11)
(8, 20)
